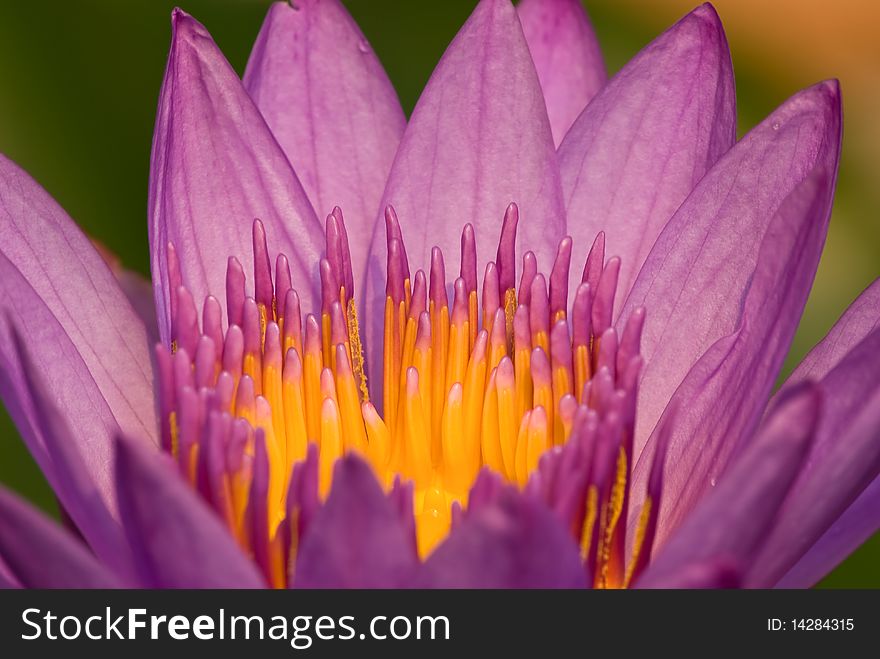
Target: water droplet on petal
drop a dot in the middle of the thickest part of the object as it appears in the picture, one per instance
(712, 482)
(363, 46)
(776, 126)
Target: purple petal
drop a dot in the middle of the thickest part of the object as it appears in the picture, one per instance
(137, 289)
(40, 554)
(862, 518)
(859, 320)
(478, 140)
(357, 539)
(647, 138)
(57, 293)
(860, 521)
(177, 540)
(510, 542)
(215, 167)
(566, 55)
(724, 289)
(331, 107)
(845, 460)
(8, 581)
(70, 477)
(729, 524)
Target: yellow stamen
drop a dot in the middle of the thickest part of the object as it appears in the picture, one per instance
(508, 418)
(490, 436)
(331, 444)
(608, 572)
(538, 441)
(379, 441)
(252, 366)
(472, 320)
(591, 510)
(582, 371)
(523, 380)
(294, 415)
(439, 352)
(353, 432)
(522, 449)
(175, 434)
(264, 321)
(325, 339)
(417, 457)
(453, 429)
(509, 313)
(639, 539)
(561, 387)
(274, 394)
(277, 465)
(312, 365)
(357, 350)
(460, 392)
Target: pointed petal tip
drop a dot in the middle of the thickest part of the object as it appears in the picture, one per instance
(351, 467)
(198, 82)
(825, 92)
(799, 410)
(829, 90)
(703, 16)
(805, 399)
(707, 12)
(313, 55)
(823, 97)
(831, 86)
(356, 539)
(183, 25)
(511, 541)
(187, 31)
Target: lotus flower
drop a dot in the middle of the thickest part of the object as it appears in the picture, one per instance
(356, 414)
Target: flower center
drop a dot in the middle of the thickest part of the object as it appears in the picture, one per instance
(257, 414)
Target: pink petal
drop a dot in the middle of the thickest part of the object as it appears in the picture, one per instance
(860, 521)
(513, 541)
(40, 554)
(178, 542)
(331, 107)
(844, 461)
(80, 332)
(730, 523)
(69, 475)
(215, 167)
(862, 517)
(724, 288)
(647, 138)
(566, 55)
(858, 321)
(137, 289)
(357, 539)
(478, 139)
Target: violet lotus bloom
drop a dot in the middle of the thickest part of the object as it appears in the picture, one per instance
(585, 400)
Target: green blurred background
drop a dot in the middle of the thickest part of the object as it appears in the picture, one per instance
(79, 81)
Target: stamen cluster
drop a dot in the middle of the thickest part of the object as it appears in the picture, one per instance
(510, 379)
